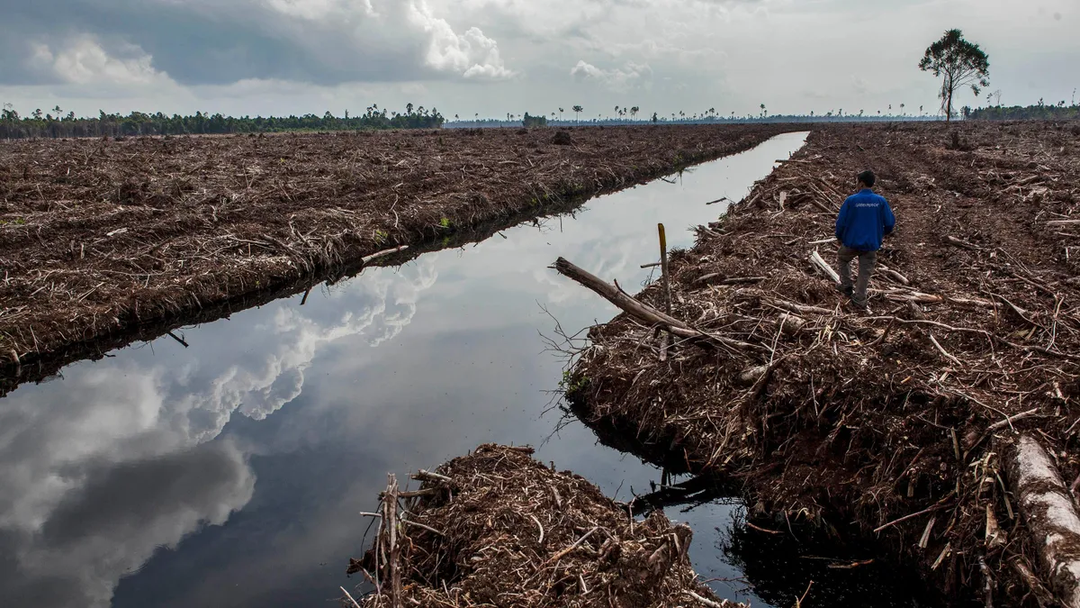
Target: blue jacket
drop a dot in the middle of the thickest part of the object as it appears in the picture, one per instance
(864, 220)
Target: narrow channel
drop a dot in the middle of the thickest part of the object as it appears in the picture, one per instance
(230, 472)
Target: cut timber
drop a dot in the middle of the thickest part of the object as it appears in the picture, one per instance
(893, 274)
(952, 240)
(1050, 516)
(720, 279)
(824, 266)
(382, 254)
(643, 312)
(1062, 222)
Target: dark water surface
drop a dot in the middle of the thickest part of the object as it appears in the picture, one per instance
(230, 473)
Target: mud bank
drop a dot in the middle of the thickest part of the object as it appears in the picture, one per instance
(900, 425)
(498, 528)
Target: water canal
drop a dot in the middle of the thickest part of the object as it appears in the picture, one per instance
(230, 473)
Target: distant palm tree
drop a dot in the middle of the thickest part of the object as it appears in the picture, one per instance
(560, 113)
(577, 112)
(902, 109)
(764, 112)
(634, 111)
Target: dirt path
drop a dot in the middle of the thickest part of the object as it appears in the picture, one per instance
(894, 420)
(104, 240)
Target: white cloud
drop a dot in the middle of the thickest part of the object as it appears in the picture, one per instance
(471, 55)
(630, 76)
(83, 60)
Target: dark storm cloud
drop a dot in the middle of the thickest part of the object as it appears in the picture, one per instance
(203, 42)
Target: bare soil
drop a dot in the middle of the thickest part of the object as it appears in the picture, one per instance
(106, 240)
(858, 421)
(497, 528)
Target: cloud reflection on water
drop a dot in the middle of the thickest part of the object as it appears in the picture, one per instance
(120, 458)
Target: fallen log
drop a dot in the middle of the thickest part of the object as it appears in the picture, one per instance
(382, 254)
(952, 240)
(1049, 514)
(719, 279)
(889, 272)
(645, 313)
(820, 262)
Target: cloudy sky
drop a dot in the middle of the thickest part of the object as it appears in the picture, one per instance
(497, 56)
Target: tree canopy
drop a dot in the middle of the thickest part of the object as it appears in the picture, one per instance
(958, 63)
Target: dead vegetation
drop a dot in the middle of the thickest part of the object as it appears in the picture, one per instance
(104, 238)
(497, 528)
(908, 421)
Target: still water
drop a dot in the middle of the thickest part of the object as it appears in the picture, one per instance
(230, 473)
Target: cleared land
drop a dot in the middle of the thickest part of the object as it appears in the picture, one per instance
(103, 241)
(905, 425)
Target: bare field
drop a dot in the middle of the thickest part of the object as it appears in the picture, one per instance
(102, 238)
(901, 425)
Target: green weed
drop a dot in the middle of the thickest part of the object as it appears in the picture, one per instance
(569, 384)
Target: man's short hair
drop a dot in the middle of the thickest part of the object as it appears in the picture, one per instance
(868, 178)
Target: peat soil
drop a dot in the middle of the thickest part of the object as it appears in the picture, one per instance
(883, 427)
(103, 242)
(498, 528)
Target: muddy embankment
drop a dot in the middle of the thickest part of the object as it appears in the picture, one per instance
(939, 424)
(497, 528)
(103, 242)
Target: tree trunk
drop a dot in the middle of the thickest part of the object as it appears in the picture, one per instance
(950, 87)
(645, 313)
(1049, 514)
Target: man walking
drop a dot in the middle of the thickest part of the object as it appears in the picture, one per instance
(863, 222)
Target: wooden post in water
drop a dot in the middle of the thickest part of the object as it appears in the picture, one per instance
(664, 269)
(664, 336)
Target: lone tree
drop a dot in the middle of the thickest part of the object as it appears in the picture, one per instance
(958, 63)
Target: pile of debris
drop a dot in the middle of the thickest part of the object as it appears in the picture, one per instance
(942, 422)
(498, 528)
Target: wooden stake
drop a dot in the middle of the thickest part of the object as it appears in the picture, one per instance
(664, 269)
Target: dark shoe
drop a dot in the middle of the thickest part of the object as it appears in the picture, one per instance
(848, 291)
(860, 305)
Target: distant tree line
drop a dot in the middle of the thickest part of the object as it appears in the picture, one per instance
(1039, 111)
(57, 124)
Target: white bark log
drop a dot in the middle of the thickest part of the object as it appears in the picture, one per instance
(1050, 515)
(820, 262)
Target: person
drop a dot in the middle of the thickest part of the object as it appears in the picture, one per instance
(864, 220)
